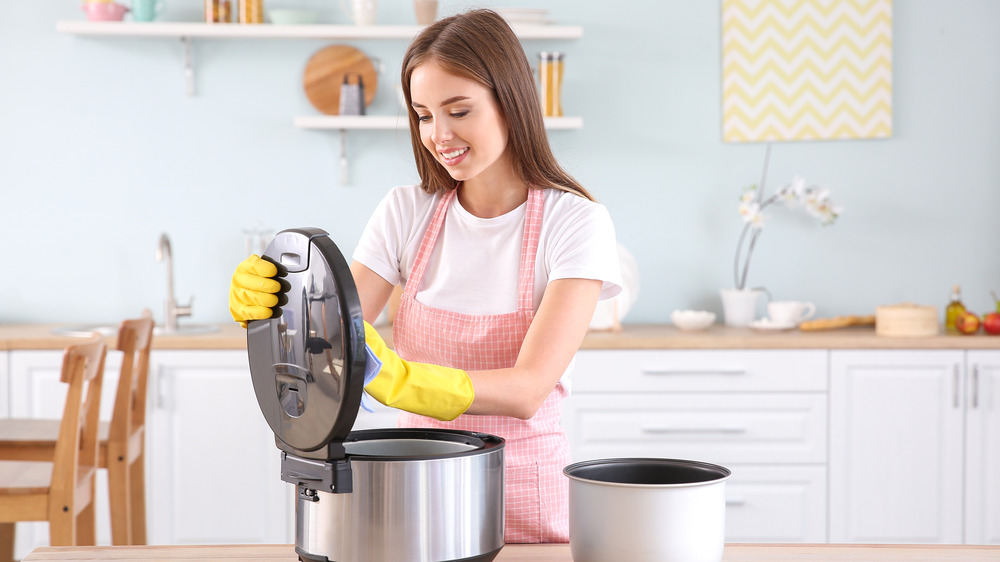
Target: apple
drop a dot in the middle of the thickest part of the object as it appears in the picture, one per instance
(991, 323)
(967, 323)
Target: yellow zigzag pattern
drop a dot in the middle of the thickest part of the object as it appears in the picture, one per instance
(806, 69)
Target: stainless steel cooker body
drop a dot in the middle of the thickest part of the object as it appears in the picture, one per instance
(418, 496)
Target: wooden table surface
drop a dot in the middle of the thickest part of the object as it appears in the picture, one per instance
(537, 553)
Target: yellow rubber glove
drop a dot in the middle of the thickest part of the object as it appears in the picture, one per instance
(253, 291)
(429, 390)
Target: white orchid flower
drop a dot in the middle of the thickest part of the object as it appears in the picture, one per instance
(793, 193)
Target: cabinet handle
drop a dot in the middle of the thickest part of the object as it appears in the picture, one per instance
(975, 386)
(735, 501)
(674, 430)
(954, 386)
(671, 372)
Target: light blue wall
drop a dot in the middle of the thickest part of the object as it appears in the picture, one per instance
(101, 151)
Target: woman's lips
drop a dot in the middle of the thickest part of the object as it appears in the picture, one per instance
(453, 156)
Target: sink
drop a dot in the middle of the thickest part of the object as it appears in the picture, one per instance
(186, 330)
(86, 330)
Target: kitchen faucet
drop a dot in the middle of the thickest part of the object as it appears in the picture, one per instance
(172, 309)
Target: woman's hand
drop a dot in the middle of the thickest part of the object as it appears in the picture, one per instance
(253, 290)
(552, 340)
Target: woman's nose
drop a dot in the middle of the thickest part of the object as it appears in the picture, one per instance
(441, 132)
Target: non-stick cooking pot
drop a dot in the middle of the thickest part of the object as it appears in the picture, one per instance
(646, 510)
(392, 495)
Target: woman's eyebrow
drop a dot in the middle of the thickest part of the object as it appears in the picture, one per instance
(448, 101)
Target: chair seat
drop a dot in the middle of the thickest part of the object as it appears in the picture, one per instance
(35, 439)
(22, 477)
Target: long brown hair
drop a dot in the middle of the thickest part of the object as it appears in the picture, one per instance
(480, 46)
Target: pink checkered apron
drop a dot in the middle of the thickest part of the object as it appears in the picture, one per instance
(536, 504)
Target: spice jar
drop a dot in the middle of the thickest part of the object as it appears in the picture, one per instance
(550, 75)
(251, 11)
(217, 11)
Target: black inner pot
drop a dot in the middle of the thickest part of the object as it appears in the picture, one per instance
(647, 471)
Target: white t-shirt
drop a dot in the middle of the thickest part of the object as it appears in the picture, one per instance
(474, 266)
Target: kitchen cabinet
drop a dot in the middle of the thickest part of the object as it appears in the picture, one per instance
(982, 448)
(215, 471)
(762, 414)
(910, 460)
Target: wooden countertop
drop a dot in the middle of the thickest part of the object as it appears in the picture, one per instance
(633, 336)
(536, 553)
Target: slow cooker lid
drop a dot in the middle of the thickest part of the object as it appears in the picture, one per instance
(307, 362)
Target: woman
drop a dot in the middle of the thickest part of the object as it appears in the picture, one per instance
(502, 257)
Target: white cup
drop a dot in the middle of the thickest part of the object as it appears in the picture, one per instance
(790, 313)
(363, 12)
(739, 306)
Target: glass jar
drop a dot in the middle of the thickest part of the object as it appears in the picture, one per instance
(218, 11)
(251, 11)
(550, 76)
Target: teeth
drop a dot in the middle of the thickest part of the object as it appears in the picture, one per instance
(456, 154)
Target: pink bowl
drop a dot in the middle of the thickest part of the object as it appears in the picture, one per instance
(104, 11)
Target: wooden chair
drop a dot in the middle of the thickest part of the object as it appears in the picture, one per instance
(122, 441)
(61, 491)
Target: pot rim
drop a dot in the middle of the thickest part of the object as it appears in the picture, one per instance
(724, 473)
(484, 442)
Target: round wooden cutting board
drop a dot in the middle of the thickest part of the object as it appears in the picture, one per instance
(325, 72)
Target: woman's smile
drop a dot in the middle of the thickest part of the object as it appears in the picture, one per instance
(451, 157)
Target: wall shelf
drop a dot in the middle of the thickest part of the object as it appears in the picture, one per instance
(270, 31)
(344, 123)
(383, 122)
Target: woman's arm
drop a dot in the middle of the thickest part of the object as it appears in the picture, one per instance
(554, 337)
(373, 291)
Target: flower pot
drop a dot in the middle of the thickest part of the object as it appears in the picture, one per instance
(739, 306)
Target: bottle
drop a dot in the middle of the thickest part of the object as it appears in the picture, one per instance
(251, 11)
(217, 11)
(550, 75)
(954, 308)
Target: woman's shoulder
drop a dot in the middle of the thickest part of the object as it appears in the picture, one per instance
(570, 206)
(410, 199)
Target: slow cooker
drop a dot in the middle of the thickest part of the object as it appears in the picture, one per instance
(392, 495)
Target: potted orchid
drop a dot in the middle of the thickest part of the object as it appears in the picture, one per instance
(739, 304)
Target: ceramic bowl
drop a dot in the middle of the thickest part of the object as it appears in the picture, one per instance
(691, 320)
(292, 17)
(104, 11)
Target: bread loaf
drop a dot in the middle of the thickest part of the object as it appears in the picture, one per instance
(836, 322)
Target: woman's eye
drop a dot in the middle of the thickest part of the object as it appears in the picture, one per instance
(459, 114)
(423, 118)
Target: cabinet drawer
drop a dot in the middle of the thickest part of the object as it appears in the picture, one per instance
(708, 371)
(776, 504)
(721, 428)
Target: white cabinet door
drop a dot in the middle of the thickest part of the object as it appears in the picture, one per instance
(896, 446)
(982, 484)
(778, 504)
(36, 392)
(215, 468)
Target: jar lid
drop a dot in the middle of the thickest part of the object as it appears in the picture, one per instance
(307, 362)
(551, 56)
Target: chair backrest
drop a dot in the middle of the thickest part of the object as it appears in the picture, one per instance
(77, 444)
(135, 339)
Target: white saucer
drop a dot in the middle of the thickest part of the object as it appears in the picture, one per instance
(767, 325)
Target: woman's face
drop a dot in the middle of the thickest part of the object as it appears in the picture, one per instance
(460, 123)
